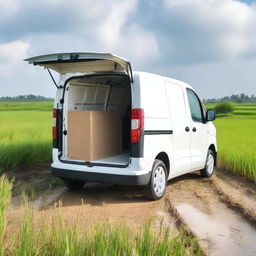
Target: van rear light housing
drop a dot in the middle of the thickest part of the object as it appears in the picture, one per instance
(137, 124)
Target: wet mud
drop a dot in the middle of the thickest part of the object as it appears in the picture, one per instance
(221, 230)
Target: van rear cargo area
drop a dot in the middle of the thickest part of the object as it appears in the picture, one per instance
(97, 120)
(94, 134)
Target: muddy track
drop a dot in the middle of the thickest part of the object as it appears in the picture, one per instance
(214, 212)
(220, 212)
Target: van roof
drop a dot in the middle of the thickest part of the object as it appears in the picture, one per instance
(171, 80)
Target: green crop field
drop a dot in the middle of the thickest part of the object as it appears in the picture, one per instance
(236, 135)
(25, 134)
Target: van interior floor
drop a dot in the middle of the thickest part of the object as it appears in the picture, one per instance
(120, 159)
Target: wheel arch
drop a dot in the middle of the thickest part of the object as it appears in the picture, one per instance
(213, 148)
(164, 157)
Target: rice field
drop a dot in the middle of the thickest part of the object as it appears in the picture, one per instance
(236, 136)
(25, 134)
(37, 234)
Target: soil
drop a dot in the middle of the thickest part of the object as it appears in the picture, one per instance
(219, 211)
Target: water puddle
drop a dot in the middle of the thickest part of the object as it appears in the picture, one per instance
(222, 231)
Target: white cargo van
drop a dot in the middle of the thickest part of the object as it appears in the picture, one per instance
(160, 127)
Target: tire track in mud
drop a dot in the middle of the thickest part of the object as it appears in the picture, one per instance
(237, 197)
(222, 223)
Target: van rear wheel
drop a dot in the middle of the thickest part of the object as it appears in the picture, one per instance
(208, 170)
(157, 184)
(74, 184)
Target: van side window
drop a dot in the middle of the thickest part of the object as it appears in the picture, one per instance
(195, 106)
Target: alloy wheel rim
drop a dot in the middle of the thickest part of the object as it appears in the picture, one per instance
(159, 181)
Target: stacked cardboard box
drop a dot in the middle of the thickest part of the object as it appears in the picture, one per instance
(93, 134)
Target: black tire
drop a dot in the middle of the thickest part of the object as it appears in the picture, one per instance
(151, 190)
(209, 168)
(74, 184)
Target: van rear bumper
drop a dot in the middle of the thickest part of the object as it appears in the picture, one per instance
(102, 177)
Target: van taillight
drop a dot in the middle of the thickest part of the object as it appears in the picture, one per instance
(137, 124)
(54, 126)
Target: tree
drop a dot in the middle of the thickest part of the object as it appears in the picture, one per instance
(225, 107)
(25, 98)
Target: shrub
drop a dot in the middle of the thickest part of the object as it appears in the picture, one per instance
(225, 107)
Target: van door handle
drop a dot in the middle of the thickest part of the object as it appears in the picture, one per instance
(187, 129)
(194, 129)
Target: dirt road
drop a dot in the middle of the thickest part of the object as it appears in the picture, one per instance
(220, 212)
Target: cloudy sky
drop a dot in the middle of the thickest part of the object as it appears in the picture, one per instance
(210, 44)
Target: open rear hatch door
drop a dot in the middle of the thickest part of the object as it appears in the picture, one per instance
(82, 62)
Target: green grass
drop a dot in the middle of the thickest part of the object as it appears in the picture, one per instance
(236, 136)
(106, 238)
(25, 136)
(237, 144)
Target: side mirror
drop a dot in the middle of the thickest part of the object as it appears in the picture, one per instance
(210, 115)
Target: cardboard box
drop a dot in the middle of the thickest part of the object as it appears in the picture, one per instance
(93, 134)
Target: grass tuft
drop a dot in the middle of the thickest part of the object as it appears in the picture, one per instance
(5, 198)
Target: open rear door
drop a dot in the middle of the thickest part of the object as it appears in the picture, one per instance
(82, 62)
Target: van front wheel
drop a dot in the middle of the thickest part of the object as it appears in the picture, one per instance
(74, 184)
(209, 165)
(157, 184)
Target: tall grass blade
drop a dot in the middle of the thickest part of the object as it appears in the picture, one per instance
(5, 198)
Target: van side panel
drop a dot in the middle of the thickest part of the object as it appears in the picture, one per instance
(198, 136)
(154, 100)
(180, 152)
(157, 122)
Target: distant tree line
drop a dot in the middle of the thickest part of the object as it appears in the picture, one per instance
(236, 98)
(25, 98)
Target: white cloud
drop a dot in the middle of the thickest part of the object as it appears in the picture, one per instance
(227, 23)
(14, 51)
(139, 45)
(110, 28)
(11, 56)
(9, 7)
